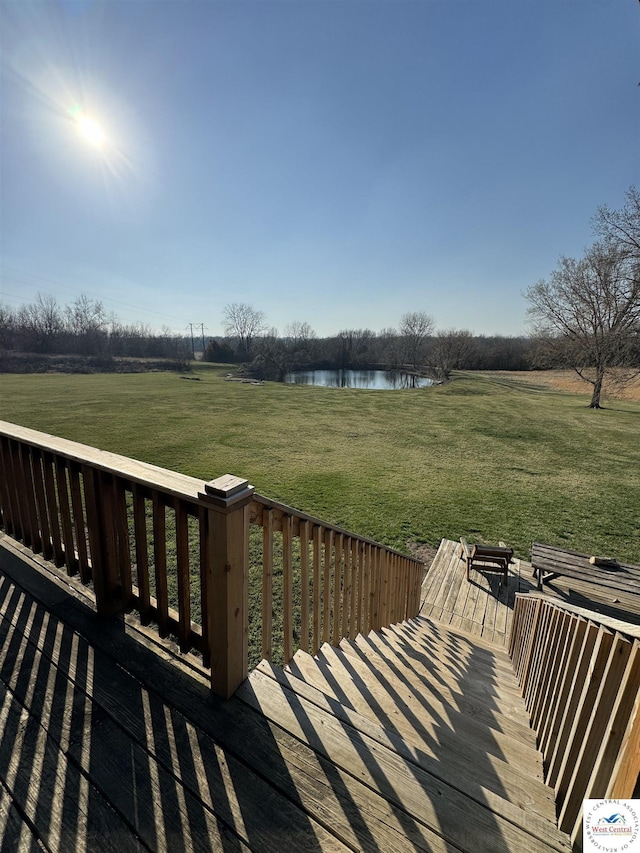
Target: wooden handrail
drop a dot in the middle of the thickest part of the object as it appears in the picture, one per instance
(338, 583)
(579, 673)
(176, 549)
(260, 502)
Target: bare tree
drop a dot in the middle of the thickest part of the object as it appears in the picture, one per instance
(7, 326)
(588, 313)
(392, 348)
(354, 346)
(416, 327)
(299, 340)
(243, 322)
(272, 359)
(449, 351)
(43, 323)
(622, 227)
(87, 322)
(298, 333)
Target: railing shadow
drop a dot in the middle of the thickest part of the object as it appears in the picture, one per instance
(416, 784)
(471, 764)
(106, 746)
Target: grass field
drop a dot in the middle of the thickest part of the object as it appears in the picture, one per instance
(488, 457)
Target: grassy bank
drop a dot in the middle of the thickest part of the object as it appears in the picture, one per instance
(484, 457)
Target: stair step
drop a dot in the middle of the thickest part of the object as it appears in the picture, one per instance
(460, 683)
(421, 701)
(480, 681)
(448, 636)
(438, 728)
(470, 817)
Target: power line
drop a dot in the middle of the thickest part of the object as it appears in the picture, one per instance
(65, 289)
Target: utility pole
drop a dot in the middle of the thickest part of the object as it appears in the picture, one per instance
(193, 348)
(202, 331)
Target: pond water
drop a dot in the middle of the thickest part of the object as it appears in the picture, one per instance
(376, 380)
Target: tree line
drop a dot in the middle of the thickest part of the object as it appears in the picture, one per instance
(84, 327)
(584, 316)
(415, 345)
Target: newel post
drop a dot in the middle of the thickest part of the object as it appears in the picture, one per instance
(227, 581)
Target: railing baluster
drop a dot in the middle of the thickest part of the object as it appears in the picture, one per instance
(6, 490)
(16, 485)
(304, 585)
(38, 485)
(326, 592)
(78, 521)
(366, 592)
(65, 515)
(393, 596)
(337, 587)
(346, 586)
(267, 583)
(316, 588)
(353, 590)
(121, 542)
(287, 583)
(31, 514)
(53, 509)
(375, 591)
(205, 575)
(359, 595)
(184, 584)
(160, 561)
(142, 553)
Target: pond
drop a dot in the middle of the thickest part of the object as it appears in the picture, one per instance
(374, 380)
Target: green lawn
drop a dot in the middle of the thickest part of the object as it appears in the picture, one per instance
(483, 458)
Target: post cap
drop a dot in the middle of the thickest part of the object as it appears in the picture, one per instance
(227, 490)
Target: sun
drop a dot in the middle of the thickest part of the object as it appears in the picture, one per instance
(91, 131)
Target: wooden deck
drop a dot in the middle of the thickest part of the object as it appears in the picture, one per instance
(414, 738)
(482, 606)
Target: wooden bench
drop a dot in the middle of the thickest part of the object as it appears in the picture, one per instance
(491, 558)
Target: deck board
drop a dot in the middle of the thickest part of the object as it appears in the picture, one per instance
(481, 606)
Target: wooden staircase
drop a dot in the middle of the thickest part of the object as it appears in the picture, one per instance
(431, 721)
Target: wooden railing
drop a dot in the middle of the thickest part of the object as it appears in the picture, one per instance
(176, 549)
(580, 676)
(340, 584)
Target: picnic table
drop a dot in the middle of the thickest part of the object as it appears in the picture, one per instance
(605, 580)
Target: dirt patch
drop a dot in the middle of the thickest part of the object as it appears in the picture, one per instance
(422, 551)
(570, 382)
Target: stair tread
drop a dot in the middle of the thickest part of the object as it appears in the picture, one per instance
(419, 781)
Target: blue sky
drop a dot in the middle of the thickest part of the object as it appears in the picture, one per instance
(336, 162)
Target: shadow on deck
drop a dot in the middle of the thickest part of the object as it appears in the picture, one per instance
(414, 738)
